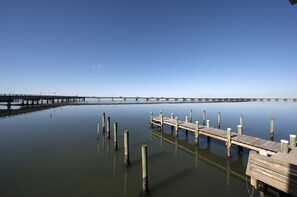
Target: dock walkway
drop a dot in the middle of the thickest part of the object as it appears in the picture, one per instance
(245, 141)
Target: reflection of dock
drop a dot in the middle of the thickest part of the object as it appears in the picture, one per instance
(234, 169)
(241, 140)
(25, 110)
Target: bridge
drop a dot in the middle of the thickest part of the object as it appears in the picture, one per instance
(26, 100)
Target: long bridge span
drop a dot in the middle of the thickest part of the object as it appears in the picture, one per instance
(26, 99)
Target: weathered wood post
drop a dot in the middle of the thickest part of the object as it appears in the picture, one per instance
(241, 120)
(292, 141)
(204, 117)
(187, 119)
(161, 120)
(197, 132)
(208, 126)
(172, 115)
(144, 169)
(272, 129)
(126, 148)
(176, 126)
(108, 127)
(151, 119)
(115, 136)
(239, 131)
(191, 116)
(98, 128)
(229, 142)
(103, 122)
(219, 120)
(284, 146)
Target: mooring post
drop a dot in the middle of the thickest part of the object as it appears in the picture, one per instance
(126, 148)
(176, 126)
(191, 116)
(197, 132)
(241, 120)
(172, 115)
(103, 122)
(161, 120)
(151, 119)
(208, 123)
(239, 129)
(108, 127)
(284, 146)
(229, 142)
(187, 119)
(272, 129)
(115, 136)
(144, 169)
(98, 128)
(204, 117)
(219, 120)
(292, 141)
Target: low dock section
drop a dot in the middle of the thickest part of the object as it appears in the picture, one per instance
(231, 138)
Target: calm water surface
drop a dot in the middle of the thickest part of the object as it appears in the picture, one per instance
(55, 152)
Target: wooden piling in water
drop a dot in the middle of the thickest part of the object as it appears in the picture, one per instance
(103, 122)
(204, 117)
(208, 123)
(197, 132)
(187, 119)
(162, 120)
(219, 120)
(191, 115)
(284, 146)
(292, 141)
(241, 120)
(172, 115)
(151, 119)
(126, 148)
(272, 129)
(108, 127)
(144, 169)
(115, 136)
(239, 129)
(228, 142)
(176, 126)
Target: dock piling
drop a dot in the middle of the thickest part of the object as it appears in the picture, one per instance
(98, 128)
(219, 120)
(108, 127)
(162, 120)
(103, 122)
(197, 132)
(126, 148)
(151, 119)
(191, 115)
(115, 136)
(187, 119)
(172, 115)
(239, 131)
(144, 169)
(208, 123)
(204, 117)
(229, 142)
(176, 126)
(284, 146)
(292, 141)
(271, 129)
(241, 120)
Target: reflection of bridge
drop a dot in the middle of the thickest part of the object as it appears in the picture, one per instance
(26, 109)
(20, 99)
(236, 169)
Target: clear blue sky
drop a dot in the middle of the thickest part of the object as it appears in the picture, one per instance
(190, 48)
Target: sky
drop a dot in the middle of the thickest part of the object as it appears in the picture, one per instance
(179, 48)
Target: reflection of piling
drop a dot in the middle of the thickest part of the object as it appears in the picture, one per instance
(272, 129)
(108, 127)
(219, 120)
(115, 136)
(228, 169)
(103, 122)
(126, 148)
(144, 169)
(228, 142)
(292, 141)
(115, 163)
(284, 146)
(98, 128)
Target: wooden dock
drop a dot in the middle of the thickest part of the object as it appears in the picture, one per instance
(252, 143)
